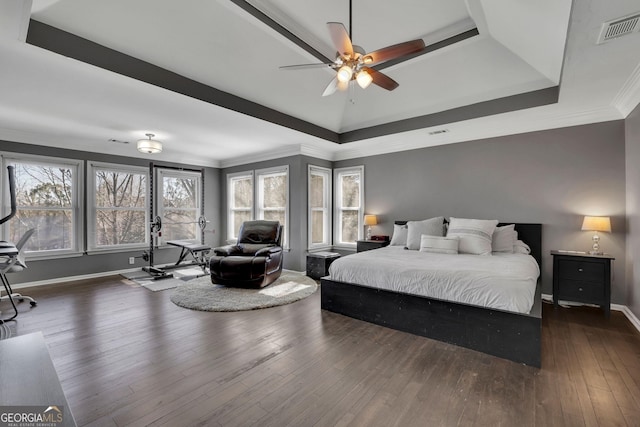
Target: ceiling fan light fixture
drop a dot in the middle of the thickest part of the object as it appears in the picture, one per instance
(345, 73)
(149, 146)
(364, 79)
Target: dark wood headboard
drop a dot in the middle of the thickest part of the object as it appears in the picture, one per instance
(531, 234)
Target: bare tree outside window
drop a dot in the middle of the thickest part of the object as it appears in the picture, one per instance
(349, 204)
(241, 200)
(180, 207)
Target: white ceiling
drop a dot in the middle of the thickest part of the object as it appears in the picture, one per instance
(522, 46)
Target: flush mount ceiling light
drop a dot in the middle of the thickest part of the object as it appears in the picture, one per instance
(149, 146)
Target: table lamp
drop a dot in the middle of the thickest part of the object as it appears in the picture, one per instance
(596, 223)
(370, 220)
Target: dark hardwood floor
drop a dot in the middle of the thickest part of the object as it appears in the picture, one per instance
(129, 357)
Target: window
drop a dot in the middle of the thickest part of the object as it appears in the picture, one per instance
(118, 215)
(349, 204)
(47, 197)
(240, 201)
(271, 195)
(319, 216)
(179, 204)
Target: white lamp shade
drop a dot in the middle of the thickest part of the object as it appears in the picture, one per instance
(596, 223)
(345, 73)
(364, 79)
(370, 220)
(149, 146)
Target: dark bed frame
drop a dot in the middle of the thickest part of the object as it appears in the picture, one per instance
(510, 335)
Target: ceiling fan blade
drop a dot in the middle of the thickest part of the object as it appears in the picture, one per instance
(382, 80)
(395, 51)
(335, 85)
(331, 88)
(307, 66)
(340, 38)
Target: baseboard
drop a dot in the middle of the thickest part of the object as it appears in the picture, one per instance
(616, 307)
(59, 280)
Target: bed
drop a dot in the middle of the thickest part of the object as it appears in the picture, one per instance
(509, 332)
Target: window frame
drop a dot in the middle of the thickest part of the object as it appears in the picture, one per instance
(338, 209)
(92, 168)
(230, 208)
(158, 199)
(77, 183)
(326, 208)
(259, 196)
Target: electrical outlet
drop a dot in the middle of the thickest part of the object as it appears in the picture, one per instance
(132, 260)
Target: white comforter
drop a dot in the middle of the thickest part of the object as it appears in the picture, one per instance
(501, 281)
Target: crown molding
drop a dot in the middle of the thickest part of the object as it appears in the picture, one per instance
(628, 97)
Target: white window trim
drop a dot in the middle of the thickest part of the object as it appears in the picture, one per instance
(230, 178)
(258, 212)
(337, 206)
(78, 187)
(159, 189)
(91, 206)
(328, 230)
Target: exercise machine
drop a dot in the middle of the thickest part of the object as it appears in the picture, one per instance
(197, 252)
(11, 255)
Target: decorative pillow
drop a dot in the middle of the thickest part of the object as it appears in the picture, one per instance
(474, 234)
(399, 237)
(521, 247)
(432, 227)
(504, 238)
(439, 244)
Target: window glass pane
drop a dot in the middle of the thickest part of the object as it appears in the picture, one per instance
(180, 192)
(180, 224)
(238, 218)
(349, 226)
(242, 189)
(316, 192)
(120, 189)
(317, 227)
(43, 186)
(350, 185)
(275, 216)
(54, 229)
(120, 227)
(274, 191)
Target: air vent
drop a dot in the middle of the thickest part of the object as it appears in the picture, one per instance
(619, 27)
(439, 131)
(117, 141)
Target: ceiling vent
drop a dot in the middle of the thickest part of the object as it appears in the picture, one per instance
(439, 131)
(619, 27)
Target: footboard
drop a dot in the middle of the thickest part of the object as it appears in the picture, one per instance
(509, 335)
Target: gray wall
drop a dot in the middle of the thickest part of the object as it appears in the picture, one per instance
(552, 177)
(632, 137)
(98, 263)
(295, 258)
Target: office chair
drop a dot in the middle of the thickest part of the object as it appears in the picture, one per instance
(11, 261)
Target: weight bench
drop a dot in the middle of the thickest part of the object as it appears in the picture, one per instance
(197, 251)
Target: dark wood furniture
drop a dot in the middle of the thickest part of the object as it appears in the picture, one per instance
(581, 277)
(30, 379)
(367, 245)
(318, 263)
(510, 335)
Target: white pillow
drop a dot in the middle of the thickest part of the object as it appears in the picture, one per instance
(521, 247)
(432, 227)
(399, 237)
(439, 244)
(504, 238)
(474, 234)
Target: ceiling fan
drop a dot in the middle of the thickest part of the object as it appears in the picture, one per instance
(353, 63)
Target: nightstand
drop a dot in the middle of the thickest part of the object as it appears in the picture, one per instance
(318, 263)
(367, 245)
(582, 277)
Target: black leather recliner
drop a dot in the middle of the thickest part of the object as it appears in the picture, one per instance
(254, 262)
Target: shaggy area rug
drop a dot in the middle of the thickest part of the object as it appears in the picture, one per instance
(201, 294)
